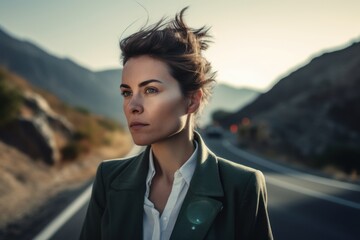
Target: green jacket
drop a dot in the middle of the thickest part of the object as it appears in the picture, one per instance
(225, 200)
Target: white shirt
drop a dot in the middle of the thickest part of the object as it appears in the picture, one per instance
(156, 227)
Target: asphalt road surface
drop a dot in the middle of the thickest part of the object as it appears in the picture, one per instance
(301, 205)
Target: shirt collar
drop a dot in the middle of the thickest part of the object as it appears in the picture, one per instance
(186, 170)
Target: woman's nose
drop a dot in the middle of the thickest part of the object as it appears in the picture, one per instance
(136, 104)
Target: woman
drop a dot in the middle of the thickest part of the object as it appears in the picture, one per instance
(177, 188)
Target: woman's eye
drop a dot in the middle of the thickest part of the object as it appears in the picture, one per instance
(125, 93)
(151, 90)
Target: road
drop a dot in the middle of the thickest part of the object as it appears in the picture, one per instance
(301, 205)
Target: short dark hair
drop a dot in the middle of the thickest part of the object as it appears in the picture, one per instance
(180, 47)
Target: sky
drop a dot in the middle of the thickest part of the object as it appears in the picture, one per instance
(255, 42)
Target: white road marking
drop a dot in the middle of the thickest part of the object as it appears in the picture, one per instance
(60, 220)
(291, 172)
(312, 193)
(73, 208)
(297, 174)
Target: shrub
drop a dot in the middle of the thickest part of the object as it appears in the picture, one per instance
(109, 124)
(345, 157)
(71, 151)
(10, 102)
(82, 110)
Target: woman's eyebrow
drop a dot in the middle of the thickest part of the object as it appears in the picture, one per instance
(142, 84)
(124, 86)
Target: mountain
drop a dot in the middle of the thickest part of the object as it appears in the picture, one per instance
(110, 75)
(227, 98)
(95, 91)
(69, 81)
(314, 111)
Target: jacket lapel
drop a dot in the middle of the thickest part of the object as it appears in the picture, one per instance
(126, 199)
(200, 206)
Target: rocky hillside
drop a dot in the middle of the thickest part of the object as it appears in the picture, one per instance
(64, 78)
(313, 113)
(47, 146)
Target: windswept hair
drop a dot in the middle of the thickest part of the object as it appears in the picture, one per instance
(180, 47)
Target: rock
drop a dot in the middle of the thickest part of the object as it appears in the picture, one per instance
(37, 134)
(34, 134)
(40, 107)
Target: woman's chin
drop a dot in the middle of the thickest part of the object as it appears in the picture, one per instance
(141, 141)
(141, 144)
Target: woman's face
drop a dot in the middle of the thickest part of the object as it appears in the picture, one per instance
(154, 106)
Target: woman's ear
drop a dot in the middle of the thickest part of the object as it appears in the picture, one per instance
(194, 101)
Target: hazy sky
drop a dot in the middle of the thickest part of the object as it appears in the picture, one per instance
(255, 41)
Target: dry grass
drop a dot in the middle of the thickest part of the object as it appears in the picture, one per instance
(26, 184)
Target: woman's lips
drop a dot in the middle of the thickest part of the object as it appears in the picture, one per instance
(137, 125)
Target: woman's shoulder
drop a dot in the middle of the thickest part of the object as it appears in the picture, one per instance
(114, 173)
(110, 165)
(119, 161)
(235, 167)
(111, 168)
(238, 173)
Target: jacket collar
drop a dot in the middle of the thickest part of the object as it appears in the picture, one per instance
(134, 176)
(207, 165)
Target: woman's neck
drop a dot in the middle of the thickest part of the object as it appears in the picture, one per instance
(172, 153)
